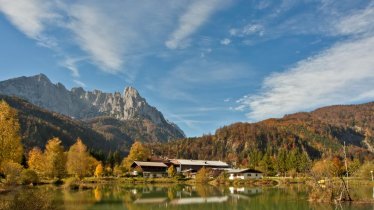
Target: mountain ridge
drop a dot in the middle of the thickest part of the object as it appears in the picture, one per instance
(87, 105)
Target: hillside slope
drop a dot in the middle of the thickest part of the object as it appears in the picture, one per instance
(38, 125)
(319, 133)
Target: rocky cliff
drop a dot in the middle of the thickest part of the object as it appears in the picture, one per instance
(87, 105)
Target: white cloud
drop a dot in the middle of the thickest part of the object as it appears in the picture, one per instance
(109, 34)
(96, 35)
(225, 41)
(342, 74)
(30, 17)
(71, 64)
(79, 83)
(360, 23)
(248, 30)
(194, 17)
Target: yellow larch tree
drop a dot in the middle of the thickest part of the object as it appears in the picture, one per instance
(79, 161)
(99, 170)
(55, 158)
(10, 140)
(36, 161)
(137, 152)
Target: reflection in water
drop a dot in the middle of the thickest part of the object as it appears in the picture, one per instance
(98, 195)
(144, 197)
(150, 200)
(199, 200)
(29, 199)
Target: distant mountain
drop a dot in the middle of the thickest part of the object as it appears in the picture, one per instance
(319, 133)
(108, 113)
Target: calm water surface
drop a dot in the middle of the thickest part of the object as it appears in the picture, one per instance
(179, 197)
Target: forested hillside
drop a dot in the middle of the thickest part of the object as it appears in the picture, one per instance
(319, 134)
(39, 125)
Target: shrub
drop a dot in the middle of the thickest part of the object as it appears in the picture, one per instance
(365, 170)
(117, 171)
(11, 171)
(29, 176)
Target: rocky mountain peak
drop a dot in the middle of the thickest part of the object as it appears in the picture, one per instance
(42, 78)
(131, 92)
(82, 104)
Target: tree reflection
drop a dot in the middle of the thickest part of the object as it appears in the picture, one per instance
(29, 199)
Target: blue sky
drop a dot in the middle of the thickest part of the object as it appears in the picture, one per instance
(204, 64)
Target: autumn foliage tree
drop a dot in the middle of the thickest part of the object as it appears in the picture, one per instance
(79, 161)
(51, 163)
(99, 170)
(10, 140)
(137, 152)
(55, 159)
(36, 161)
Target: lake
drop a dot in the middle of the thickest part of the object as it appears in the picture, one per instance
(179, 197)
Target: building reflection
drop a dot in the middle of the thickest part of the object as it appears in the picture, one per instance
(192, 195)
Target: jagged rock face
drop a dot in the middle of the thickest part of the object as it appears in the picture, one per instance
(82, 104)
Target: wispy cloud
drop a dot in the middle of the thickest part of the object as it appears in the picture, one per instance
(358, 23)
(95, 34)
(322, 18)
(31, 17)
(72, 64)
(193, 18)
(342, 74)
(79, 83)
(105, 33)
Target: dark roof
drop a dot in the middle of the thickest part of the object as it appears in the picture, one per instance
(244, 170)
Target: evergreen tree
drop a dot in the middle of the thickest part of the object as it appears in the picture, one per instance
(293, 160)
(305, 163)
(281, 161)
(110, 159)
(267, 165)
(117, 158)
(254, 158)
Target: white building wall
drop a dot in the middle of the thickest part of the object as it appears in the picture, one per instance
(245, 176)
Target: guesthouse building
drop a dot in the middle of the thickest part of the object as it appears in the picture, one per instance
(149, 169)
(190, 167)
(244, 174)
